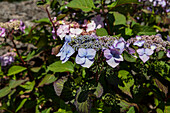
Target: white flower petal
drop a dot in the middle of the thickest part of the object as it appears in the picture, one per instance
(82, 52)
(144, 58)
(149, 51)
(80, 60)
(112, 62)
(87, 63)
(90, 53)
(141, 51)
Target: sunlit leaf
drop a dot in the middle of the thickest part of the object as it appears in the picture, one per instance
(131, 110)
(47, 80)
(128, 81)
(59, 84)
(15, 70)
(101, 32)
(58, 66)
(85, 5)
(120, 19)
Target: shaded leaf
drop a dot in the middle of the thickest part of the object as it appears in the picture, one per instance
(59, 84)
(99, 90)
(160, 54)
(167, 109)
(83, 107)
(21, 105)
(15, 70)
(58, 66)
(5, 91)
(101, 32)
(85, 5)
(161, 86)
(129, 57)
(83, 96)
(15, 83)
(47, 80)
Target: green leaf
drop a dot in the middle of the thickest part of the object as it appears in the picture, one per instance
(129, 57)
(167, 109)
(128, 81)
(59, 84)
(128, 31)
(83, 107)
(120, 19)
(101, 32)
(21, 104)
(46, 110)
(161, 86)
(29, 86)
(15, 83)
(121, 2)
(131, 110)
(47, 80)
(35, 69)
(15, 70)
(99, 90)
(143, 30)
(160, 54)
(5, 91)
(58, 66)
(84, 5)
(42, 20)
(158, 110)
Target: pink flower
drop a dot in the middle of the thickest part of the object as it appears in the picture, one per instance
(75, 32)
(91, 26)
(62, 31)
(2, 32)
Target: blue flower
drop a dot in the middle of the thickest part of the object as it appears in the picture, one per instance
(113, 57)
(168, 38)
(65, 52)
(144, 54)
(85, 57)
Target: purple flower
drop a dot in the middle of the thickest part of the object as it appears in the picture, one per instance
(65, 52)
(85, 57)
(119, 44)
(168, 53)
(62, 31)
(2, 32)
(98, 20)
(7, 58)
(168, 38)
(113, 57)
(139, 42)
(22, 26)
(144, 54)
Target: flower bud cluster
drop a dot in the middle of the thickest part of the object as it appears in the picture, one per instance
(75, 29)
(94, 42)
(7, 58)
(150, 41)
(12, 24)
